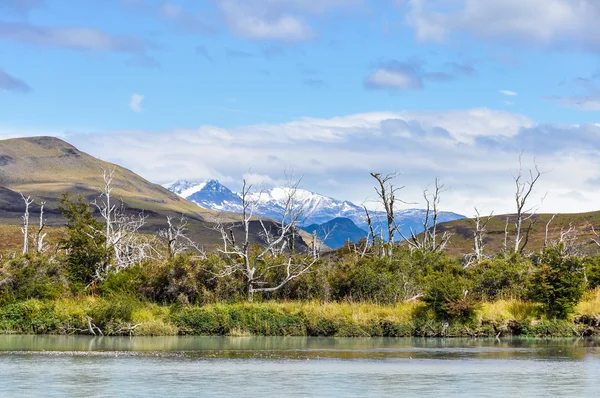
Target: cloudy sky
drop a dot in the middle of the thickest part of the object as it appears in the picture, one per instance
(331, 89)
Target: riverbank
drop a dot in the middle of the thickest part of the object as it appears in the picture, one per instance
(123, 315)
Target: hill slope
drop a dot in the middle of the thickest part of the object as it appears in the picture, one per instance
(44, 167)
(461, 241)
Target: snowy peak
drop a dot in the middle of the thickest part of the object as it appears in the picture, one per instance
(209, 194)
(185, 188)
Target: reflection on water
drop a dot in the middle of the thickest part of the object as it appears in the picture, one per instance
(280, 366)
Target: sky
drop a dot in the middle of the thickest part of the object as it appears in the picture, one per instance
(328, 90)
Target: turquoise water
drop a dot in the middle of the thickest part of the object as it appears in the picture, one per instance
(270, 366)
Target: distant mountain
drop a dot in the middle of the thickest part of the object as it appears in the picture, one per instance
(319, 208)
(207, 194)
(335, 233)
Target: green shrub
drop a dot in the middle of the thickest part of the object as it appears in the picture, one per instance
(592, 271)
(558, 282)
(500, 278)
(447, 295)
(32, 277)
(84, 244)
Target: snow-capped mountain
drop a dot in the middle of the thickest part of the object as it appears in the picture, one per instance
(319, 209)
(207, 194)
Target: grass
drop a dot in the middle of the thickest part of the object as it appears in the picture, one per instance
(590, 304)
(124, 315)
(507, 310)
(12, 237)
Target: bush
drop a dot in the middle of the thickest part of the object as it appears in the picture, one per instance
(592, 271)
(32, 277)
(500, 278)
(447, 295)
(558, 282)
(83, 242)
(374, 280)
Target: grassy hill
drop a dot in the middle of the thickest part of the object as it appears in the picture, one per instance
(462, 230)
(45, 167)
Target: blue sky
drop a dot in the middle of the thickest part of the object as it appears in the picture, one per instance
(198, 89)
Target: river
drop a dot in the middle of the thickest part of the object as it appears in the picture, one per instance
(79, 366)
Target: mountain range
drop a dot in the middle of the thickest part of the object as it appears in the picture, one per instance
(320, 210)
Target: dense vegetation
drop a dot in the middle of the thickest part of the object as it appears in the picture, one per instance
(350, 292)
(104, 277)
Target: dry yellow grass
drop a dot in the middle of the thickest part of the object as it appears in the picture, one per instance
(504, 310)
(590, 304)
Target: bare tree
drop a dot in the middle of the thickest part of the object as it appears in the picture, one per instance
(318, 242)
(121, 231)
(176, 239)
(39, 237)
(274, 253)
(479, 234)
(387, 195)
(428, 240)
(505, 244)
(524, 188)
(25, 228)
(371, 232)
(596, 238)
(547, 228)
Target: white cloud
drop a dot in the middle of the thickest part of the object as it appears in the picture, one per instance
(251, 22)
(135, 102)
(582, 103)
(568, 23)
(473, 152)
(508, 93)
(287, 20)
(394, 79)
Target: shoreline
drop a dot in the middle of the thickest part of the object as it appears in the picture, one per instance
(126, 317)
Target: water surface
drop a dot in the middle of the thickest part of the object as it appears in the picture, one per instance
(280, 366)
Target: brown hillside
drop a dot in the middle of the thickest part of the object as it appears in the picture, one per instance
(462, 231)
(44, 167)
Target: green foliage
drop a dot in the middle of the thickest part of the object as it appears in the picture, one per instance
(377, 280)
(83, 242)
(32, 277)
(447, 294)
(592, 271)
(558, 282)
(500, 278)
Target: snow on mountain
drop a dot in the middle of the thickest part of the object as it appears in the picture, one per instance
(184, 188)
(207, 194)
(319, 209)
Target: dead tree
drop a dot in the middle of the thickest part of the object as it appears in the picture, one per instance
(524, 188)
(596, 238)
(505, 244)
(25, 228)
(387, 194)
(121, 231)
(39, 237)
(274, 252)
(176, 239)
(479, 234)
(547, 228)
(317, 242)
(428, 240)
